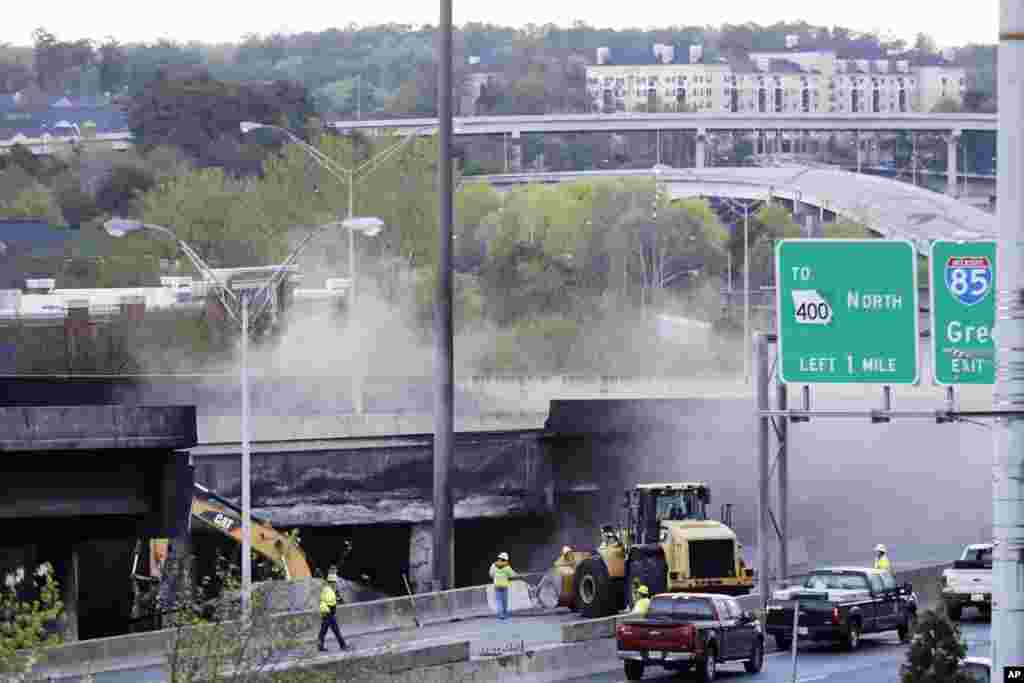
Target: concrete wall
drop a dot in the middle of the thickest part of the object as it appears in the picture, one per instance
(366, 617)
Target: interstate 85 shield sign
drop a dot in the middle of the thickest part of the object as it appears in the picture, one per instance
(963, 293)
(968, 278)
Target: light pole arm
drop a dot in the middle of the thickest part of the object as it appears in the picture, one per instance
(204, 270)
(281, 270)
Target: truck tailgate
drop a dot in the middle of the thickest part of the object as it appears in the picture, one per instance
(970, 580)
(673, 637)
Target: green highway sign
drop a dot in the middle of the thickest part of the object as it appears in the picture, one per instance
(847, 311)
(963, 312)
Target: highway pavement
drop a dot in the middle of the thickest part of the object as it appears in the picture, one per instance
(525, 629)
(878, 660)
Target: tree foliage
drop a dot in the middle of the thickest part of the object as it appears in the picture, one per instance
(30, 605)
(936, 652)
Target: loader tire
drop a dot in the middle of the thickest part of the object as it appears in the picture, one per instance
(594, 589)
(649, 566)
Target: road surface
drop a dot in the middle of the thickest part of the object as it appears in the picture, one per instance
(877, 660)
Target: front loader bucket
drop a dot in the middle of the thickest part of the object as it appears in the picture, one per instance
(565, 576)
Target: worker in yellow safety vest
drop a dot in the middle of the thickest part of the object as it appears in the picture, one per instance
(881, 558)
(643, 602)
(328, 606)
(502, 573)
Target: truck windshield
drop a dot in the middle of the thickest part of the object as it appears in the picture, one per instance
(836, 581)
(979, 555)
(683, 609)
(680, 505)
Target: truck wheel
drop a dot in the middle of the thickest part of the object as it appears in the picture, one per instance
(707, 667)
(650, 567)
(634, 669)
(594, 589)
(782, 642)
(852, 641)
(756, 661)
(953, 612)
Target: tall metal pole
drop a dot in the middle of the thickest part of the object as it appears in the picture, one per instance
(763, 392)
(444, 417)
(351, 245)
(356, 378)
(783, 481)
(746, 294)
(246, 465)
(1008, 466)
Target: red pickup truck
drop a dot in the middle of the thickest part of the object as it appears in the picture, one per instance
(690, 630)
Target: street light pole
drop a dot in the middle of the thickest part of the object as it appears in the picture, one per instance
(747, 351)
(444, 414)
(351, 247)
(246, 467)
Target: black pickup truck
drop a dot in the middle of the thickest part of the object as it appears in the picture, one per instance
(841, 604)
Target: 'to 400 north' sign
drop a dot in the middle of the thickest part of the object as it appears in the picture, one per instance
(847, 311)
(963, 310)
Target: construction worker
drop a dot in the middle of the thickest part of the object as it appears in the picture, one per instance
(643, 602)
(502, 573)
(328, 607)
(881, 558)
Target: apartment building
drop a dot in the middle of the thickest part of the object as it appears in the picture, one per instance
(783, 81)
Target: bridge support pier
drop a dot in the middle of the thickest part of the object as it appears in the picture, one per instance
(952, 145)
(700, 151)
(421, 557)
(69, 596)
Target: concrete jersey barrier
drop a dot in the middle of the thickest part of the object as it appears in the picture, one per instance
(354, 618)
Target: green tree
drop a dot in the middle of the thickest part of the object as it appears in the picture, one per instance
(947, 105)
(217, 216)
(843, 228)
(925, 43)
(35, 202)
(29, 607)
(936, 652)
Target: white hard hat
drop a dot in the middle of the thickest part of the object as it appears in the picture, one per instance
(880, 548)
(503, 556)
(566, 549)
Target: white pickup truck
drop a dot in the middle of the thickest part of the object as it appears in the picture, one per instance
(969, 582)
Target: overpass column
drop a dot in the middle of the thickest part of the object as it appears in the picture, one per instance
(952, 144)
(860, 150)
(421, 547)
(515, 152)
(700, 152)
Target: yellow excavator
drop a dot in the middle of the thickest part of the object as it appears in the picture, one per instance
(223, 516)
(666, 542)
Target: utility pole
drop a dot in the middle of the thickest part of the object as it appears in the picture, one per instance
(444, 414)
(762, 349)
(246, 469)
(1008, 461)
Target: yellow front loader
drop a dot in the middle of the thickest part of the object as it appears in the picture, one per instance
(666, 541)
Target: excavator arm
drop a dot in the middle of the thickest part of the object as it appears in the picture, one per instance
(225, 517)
(222, 515)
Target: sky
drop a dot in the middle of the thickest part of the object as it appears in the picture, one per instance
(186, 20)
